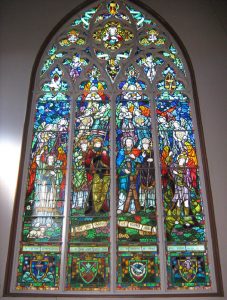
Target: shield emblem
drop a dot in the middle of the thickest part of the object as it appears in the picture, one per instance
(188, 269)
(88, 270)
(39, 269)
(138, 270)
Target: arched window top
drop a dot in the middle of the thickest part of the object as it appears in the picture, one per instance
(111, 197)
(130, 26)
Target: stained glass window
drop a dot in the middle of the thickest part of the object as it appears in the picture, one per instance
(114, 199)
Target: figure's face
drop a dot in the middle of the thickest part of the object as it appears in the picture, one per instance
(124, 109)
(146, 146)
(182, 161)
(161, 120)
(97, 145)
(103, 108)
(76, 60)
(149, 59)
(50, 160)
(63, 124)
(139, 120)
(176, 125)
(180, 135)
(128, 143)
(83, 146)
(112, 31)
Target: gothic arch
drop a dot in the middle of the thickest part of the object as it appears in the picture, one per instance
(166, 74)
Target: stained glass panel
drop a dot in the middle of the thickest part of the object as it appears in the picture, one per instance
(113, 156)
(182, 201)
(38, 271)
(53, 55)
(138, 268)
(42, 228)
(136, 207)
(89, 214)
(187, 267)
(88, 269)
(45, 191)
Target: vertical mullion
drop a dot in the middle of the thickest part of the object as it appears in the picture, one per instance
(159, 205)
(113, 196)
(66, 220)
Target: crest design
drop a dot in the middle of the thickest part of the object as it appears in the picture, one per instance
(39, 269)
(188, 269)
(138, 270)
(88, 270)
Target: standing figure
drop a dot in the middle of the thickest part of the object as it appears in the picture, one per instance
(147, 175)
(127, 161)
(180, 136)
(45, 192)
(182, 180)
(97, 163)
(101, 119)
(81, 178)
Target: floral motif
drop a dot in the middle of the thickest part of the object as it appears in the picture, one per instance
(72, 39)
(152, 37)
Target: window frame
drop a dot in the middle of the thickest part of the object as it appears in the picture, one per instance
(201, 153)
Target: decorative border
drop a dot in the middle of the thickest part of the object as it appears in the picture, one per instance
(213, 229)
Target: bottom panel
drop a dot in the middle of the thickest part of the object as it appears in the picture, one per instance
(187, 269)
(38, 271)
(138, 270)
(88, 269)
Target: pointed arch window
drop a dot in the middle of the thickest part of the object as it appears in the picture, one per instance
(113, 198)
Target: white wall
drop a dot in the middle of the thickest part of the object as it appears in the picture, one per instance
(202, 26)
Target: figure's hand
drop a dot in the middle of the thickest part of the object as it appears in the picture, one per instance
(132, 156)
(126, 171)
(150, 159)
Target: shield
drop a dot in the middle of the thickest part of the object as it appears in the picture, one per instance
(138, 270)
(188, 269)
(39, 269)
(88, 270)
